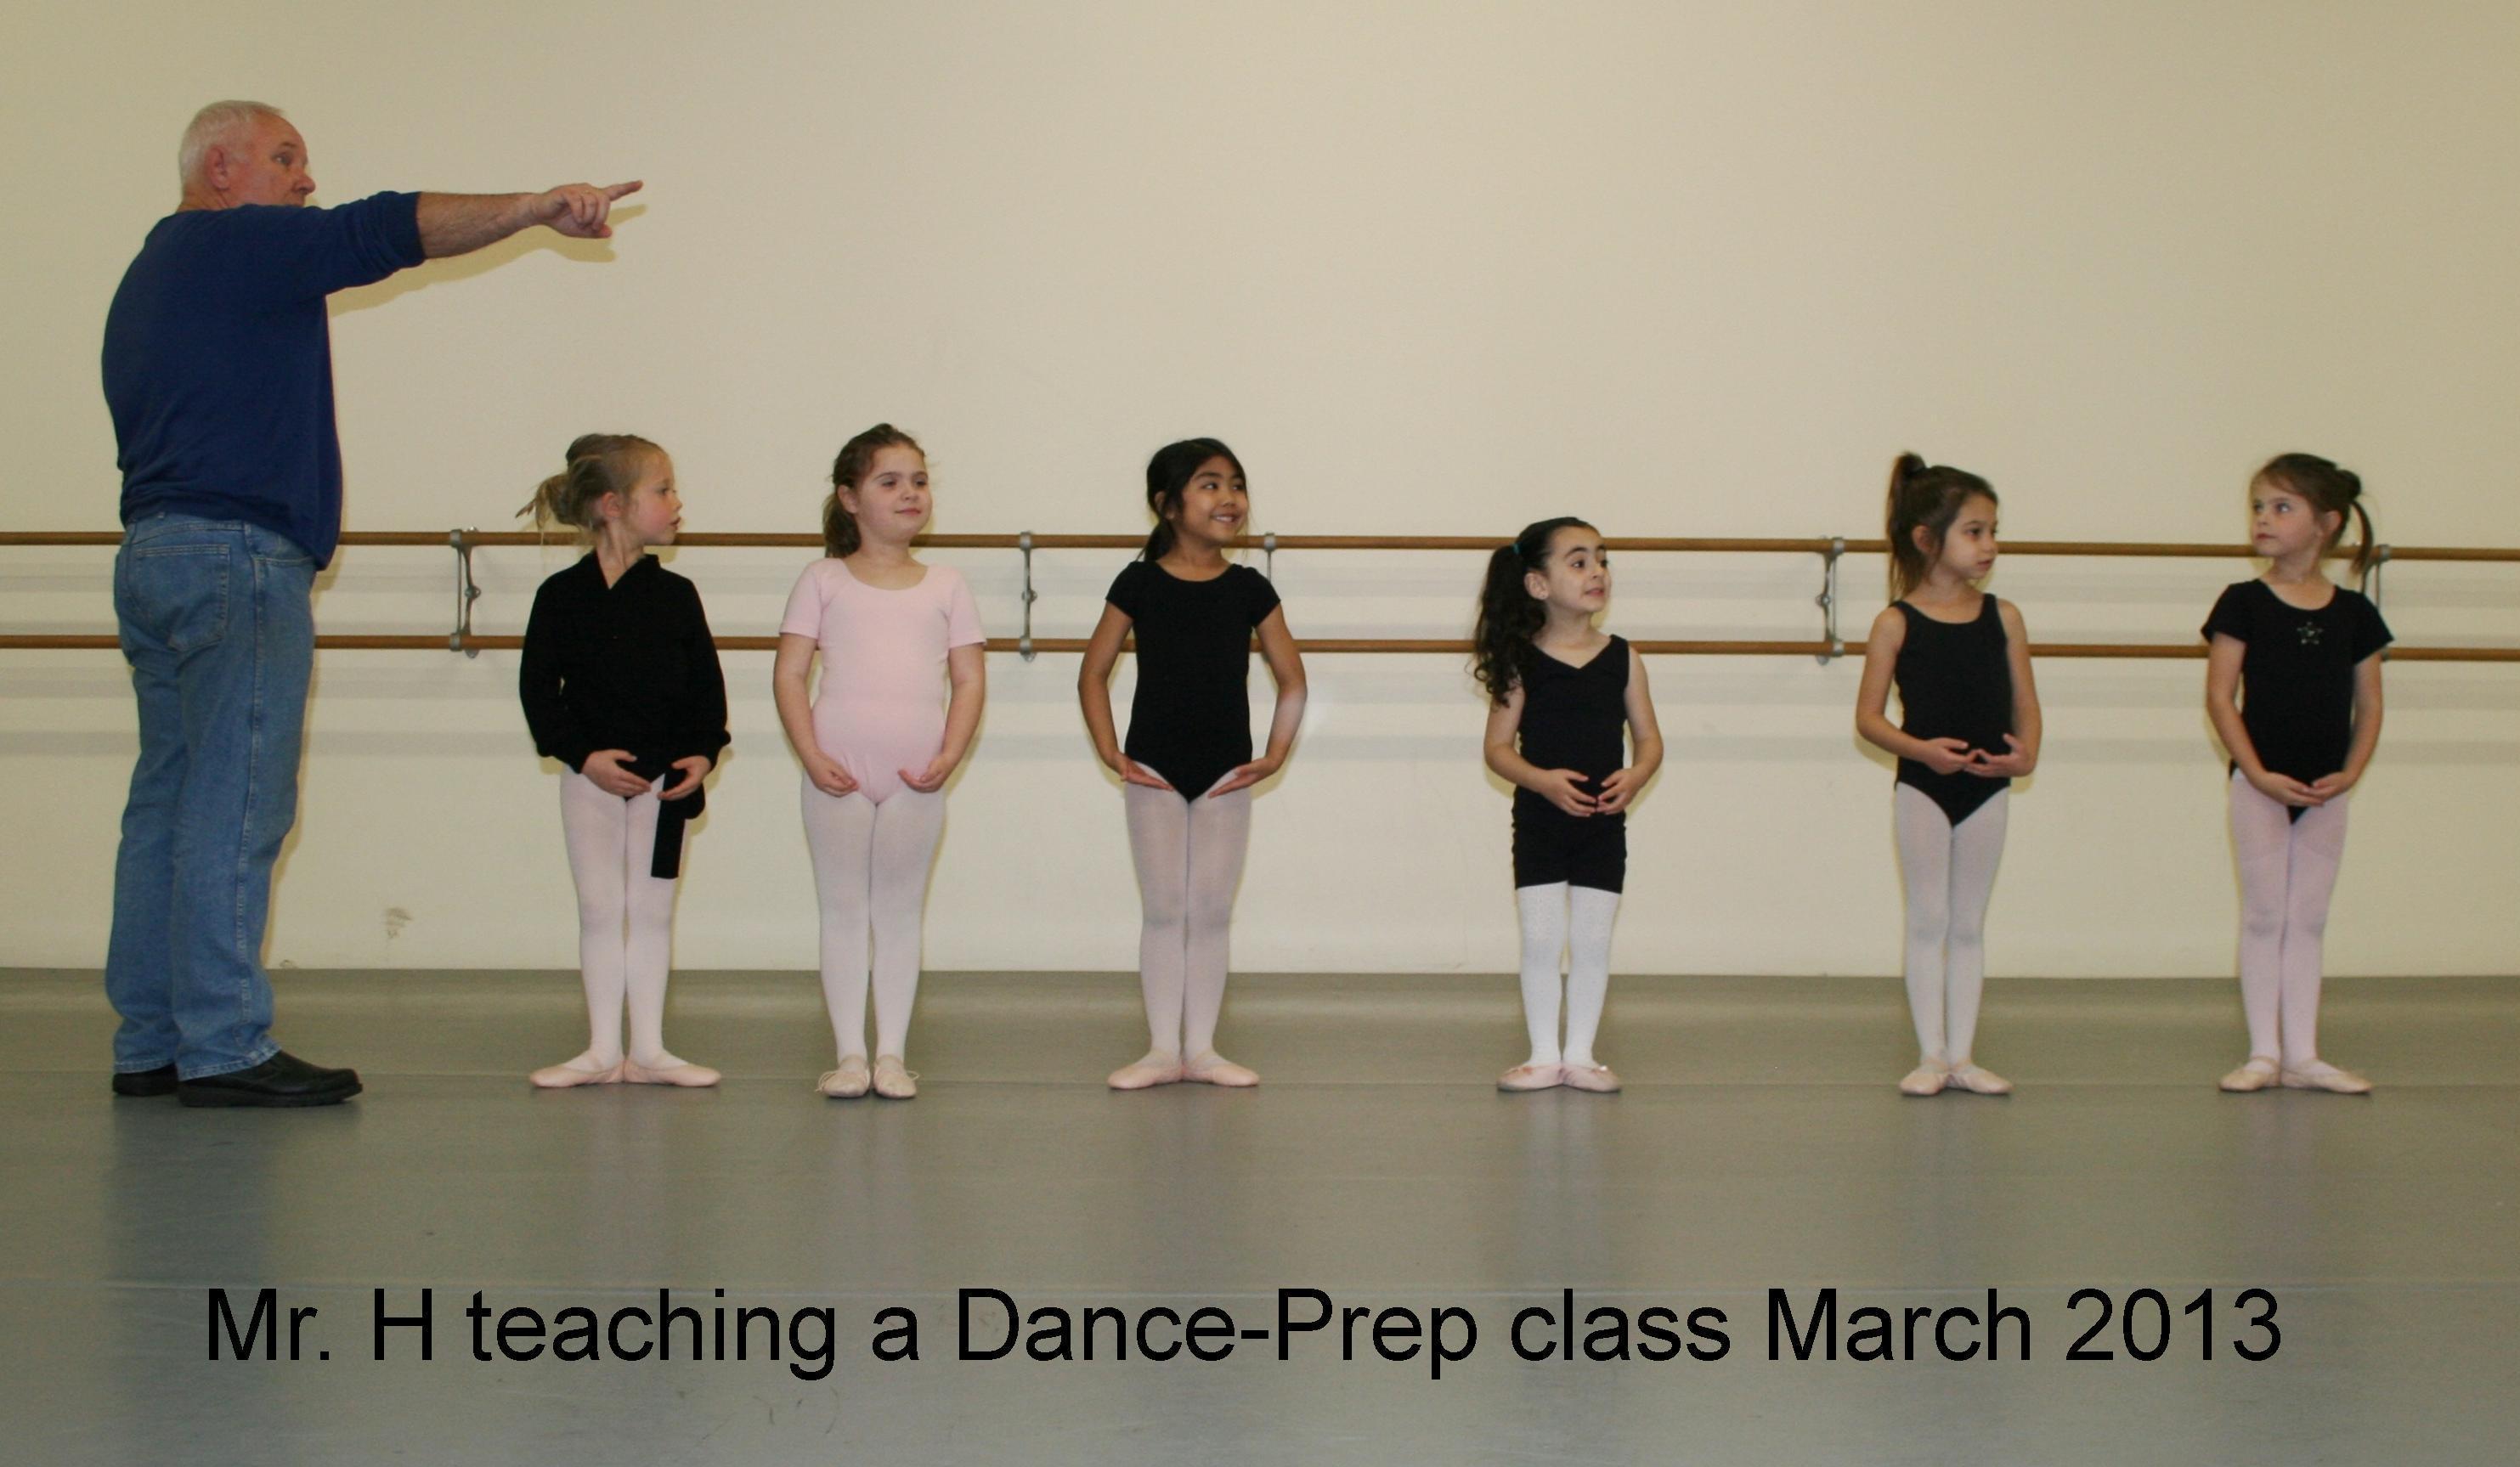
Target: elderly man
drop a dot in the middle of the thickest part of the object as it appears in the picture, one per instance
(218, 370)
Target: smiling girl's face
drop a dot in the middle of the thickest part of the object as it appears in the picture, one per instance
(1214, 505)
(891, 504)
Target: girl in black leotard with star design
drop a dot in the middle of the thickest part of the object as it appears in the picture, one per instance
(2292, 683)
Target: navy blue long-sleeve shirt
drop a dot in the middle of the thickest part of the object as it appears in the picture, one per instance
(218, 360)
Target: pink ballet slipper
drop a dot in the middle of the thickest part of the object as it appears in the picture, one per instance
(575, 1073)
(1213, 1067)
(892, 1080)
(668, 1070)
(1146, 1073)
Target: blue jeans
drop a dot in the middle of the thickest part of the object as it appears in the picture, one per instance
(217, 620)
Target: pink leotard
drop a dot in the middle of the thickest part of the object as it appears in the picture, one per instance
(882, 707)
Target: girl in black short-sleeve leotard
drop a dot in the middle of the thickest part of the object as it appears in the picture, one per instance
(2292, 683)
(1187, 769)
(1190, 720)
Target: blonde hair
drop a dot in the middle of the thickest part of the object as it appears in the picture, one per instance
(598, 464)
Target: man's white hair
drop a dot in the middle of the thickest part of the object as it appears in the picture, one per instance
(221, 124)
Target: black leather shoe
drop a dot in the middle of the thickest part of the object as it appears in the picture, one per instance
(145, 1083)
(280, 1081)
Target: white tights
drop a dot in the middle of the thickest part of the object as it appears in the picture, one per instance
(1189, 854)
(1950, 873)
(871, 867)
(2287, 869)
(625, 918)
(1572, 921)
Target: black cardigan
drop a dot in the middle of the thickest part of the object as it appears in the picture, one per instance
(625, 666)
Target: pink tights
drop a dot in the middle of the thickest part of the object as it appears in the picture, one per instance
(2287, 869)
(625, 919)
(871, 865)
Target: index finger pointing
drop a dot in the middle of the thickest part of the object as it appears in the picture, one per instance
(617, 191)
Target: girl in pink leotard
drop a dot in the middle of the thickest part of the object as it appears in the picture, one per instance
(878, 745)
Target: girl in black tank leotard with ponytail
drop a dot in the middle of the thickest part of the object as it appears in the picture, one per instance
(1961, 662)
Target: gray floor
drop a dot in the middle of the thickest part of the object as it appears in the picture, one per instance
(1760, 1147)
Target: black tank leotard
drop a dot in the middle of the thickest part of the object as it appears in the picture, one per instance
(1955, 681)
(1573, 718)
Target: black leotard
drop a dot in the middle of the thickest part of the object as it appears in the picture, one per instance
(1955, 682)
(1191, 718)
(1573, 718)
(2297, 677)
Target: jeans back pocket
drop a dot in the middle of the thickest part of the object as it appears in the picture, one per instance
(176, 594)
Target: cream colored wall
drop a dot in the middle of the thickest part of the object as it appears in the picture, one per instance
(1687, 268)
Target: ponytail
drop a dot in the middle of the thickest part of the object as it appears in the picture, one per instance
(1926, 497)
(1508, 616)
(2367, 547)
(551, 504)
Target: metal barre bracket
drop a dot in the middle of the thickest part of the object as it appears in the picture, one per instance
(2371, 583)
(466, 593)
(1269, 555)
(1023, 643)
(1826, 601)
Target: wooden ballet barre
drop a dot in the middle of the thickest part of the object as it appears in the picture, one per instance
(1672, 545)
(1832, 549)
(1679, 544)
(356, 641)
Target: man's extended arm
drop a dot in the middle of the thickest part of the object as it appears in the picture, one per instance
(460, 223)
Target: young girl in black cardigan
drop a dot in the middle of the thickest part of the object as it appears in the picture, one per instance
(620, 683)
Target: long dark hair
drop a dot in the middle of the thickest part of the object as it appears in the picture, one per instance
(1928, 497)
(848, 470)
(1509, 618)
(2330, 490)
(598, 464)
(1168, 473)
